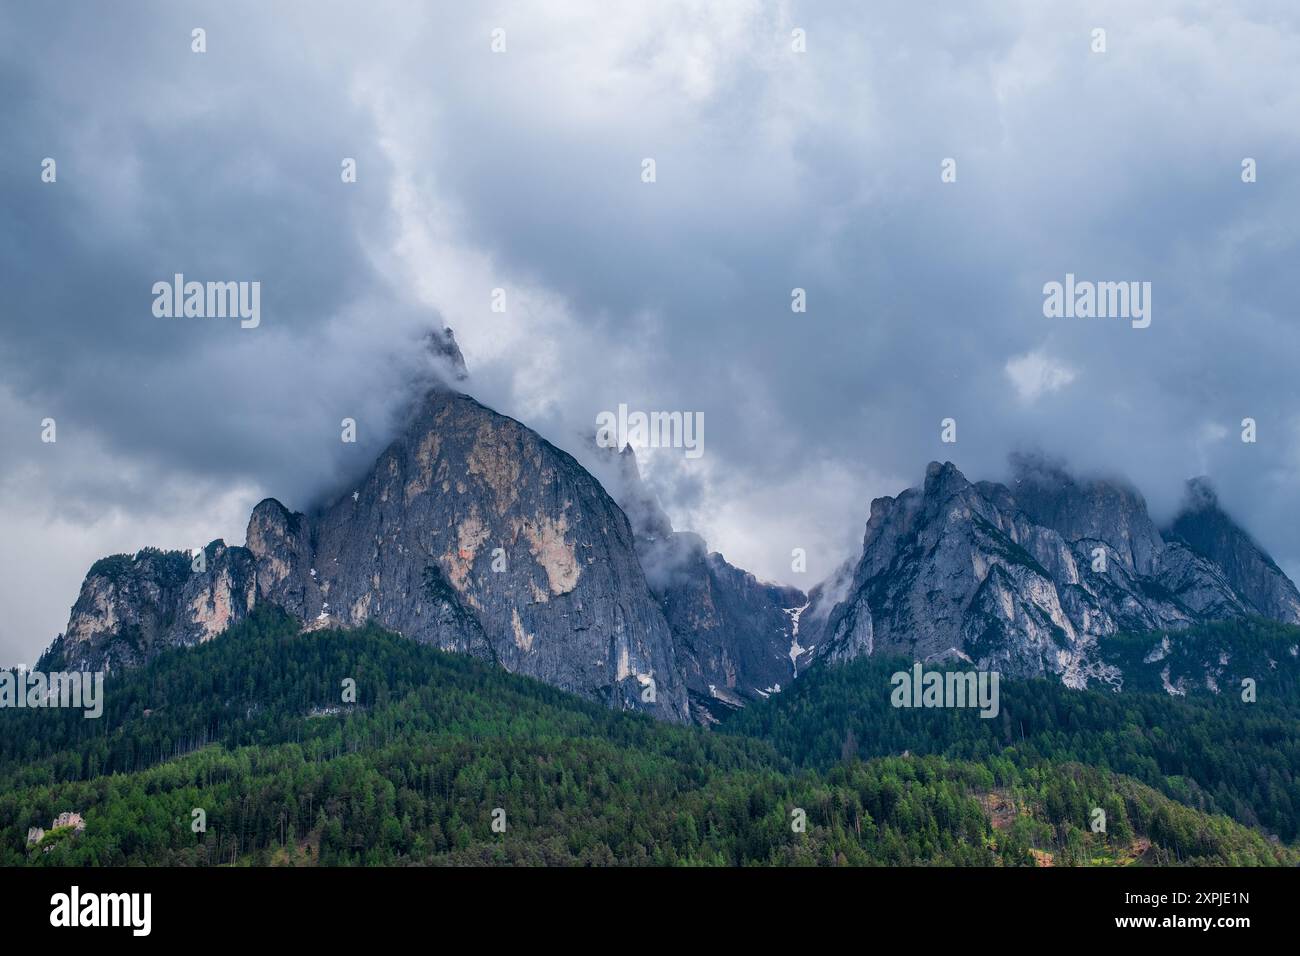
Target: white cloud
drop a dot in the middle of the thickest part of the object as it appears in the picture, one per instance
(1037, 373)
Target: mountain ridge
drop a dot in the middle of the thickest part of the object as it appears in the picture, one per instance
(1026, 578)
(475, 534)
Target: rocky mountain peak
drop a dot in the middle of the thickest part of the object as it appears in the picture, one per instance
(131, 606)
(1106, 510)
(1027, 578)
(470, 532)
(1200, 495)
(1204, 527)
(649, 520)
(943, 481)
(442, 346)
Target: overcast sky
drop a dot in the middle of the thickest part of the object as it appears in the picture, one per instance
(522, 170)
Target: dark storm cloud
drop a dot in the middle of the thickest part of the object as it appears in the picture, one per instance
(775, 170)
(1119, 166)
(220, 166)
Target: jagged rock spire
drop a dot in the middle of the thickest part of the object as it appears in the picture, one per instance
(441, 344)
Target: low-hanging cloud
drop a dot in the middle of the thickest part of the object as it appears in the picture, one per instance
(521, 171)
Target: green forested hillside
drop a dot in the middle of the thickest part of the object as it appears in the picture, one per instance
(1214, 752)
(251, 728)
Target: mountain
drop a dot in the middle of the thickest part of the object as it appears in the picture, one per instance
(474, 534)
(1026, 579)
(575, 613)
(471, 533)
(735, 635)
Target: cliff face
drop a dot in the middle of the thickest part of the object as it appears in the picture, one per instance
(949, 571)
(734, 634)
(1025, 579)
(470, 532)
(1211, 535)
(130, 607)
(474, 534)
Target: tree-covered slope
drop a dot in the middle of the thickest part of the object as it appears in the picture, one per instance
(1213, 752)
(251, 728)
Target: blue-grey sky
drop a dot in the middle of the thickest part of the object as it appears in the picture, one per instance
(521, 170)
